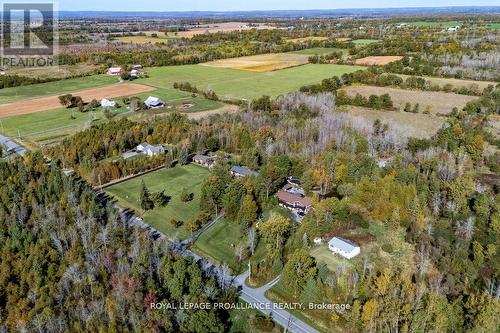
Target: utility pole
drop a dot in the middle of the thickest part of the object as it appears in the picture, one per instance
(249, 271)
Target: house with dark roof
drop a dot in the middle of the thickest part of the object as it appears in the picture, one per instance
(204, 160)
(295, 202)
(344, 247)
(238, 171)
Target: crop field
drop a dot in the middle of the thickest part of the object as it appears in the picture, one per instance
(148, 39)
(9, 95)
(262, 62)
(230, 83)
(440, 102)
(306, 39)
(60, 72)
(52, 102)
(363, 42)
(173, 181)
(321, 51)
(377, 60)
(416, 125)
(53, 125)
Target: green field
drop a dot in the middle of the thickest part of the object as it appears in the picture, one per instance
(495, 25)
(320, 50)
(363, 42)
(9, 95)
(238, 84)
(50, 126)
(322, 254)
(434, 24)
(173, 181)
(219, 243)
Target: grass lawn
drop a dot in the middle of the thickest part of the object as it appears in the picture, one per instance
(363, 42)
(231, 83)
(322, 254)
(321, 51)
(9, 95)
(173, 181)
(49, 126)
(219, 243)
(278, 294)
(495, 25)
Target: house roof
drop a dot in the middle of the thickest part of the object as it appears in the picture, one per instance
(243, 171)
(292, 198)
(343, 244)
(11, 146)
(203, 158)
(153, 101)
(155, 149)
(115, 69)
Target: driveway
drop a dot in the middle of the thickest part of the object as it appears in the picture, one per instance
(280, 316)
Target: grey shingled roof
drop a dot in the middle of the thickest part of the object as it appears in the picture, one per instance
(342, 244)
(11, 146)
(243, 171)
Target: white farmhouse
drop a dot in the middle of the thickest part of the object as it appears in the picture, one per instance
(150, 150)
(343, 247)
(106, 103)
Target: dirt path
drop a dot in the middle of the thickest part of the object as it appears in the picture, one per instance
(52, 102)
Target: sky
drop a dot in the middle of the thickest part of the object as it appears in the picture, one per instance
(242, 5)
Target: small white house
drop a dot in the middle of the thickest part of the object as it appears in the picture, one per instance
(113, 71)
(150, 150)
(106, 103)
(343, 247)
(154, 102)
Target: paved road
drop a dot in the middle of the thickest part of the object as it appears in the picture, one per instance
(280, 316)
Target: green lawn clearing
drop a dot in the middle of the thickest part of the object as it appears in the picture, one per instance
(219, 243)
(363, 42)
(173, 181)
(322, 254)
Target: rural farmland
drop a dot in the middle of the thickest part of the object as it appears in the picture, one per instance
(439, 102)
(237, 84)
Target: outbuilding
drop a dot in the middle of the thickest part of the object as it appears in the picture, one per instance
(344, 247)
(154, 102)
(114, 71)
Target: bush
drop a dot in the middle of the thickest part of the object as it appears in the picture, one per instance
(187, 196)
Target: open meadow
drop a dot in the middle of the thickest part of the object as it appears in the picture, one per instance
(439, 102)
(416, 125)
(173, 181)
(261, 62)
